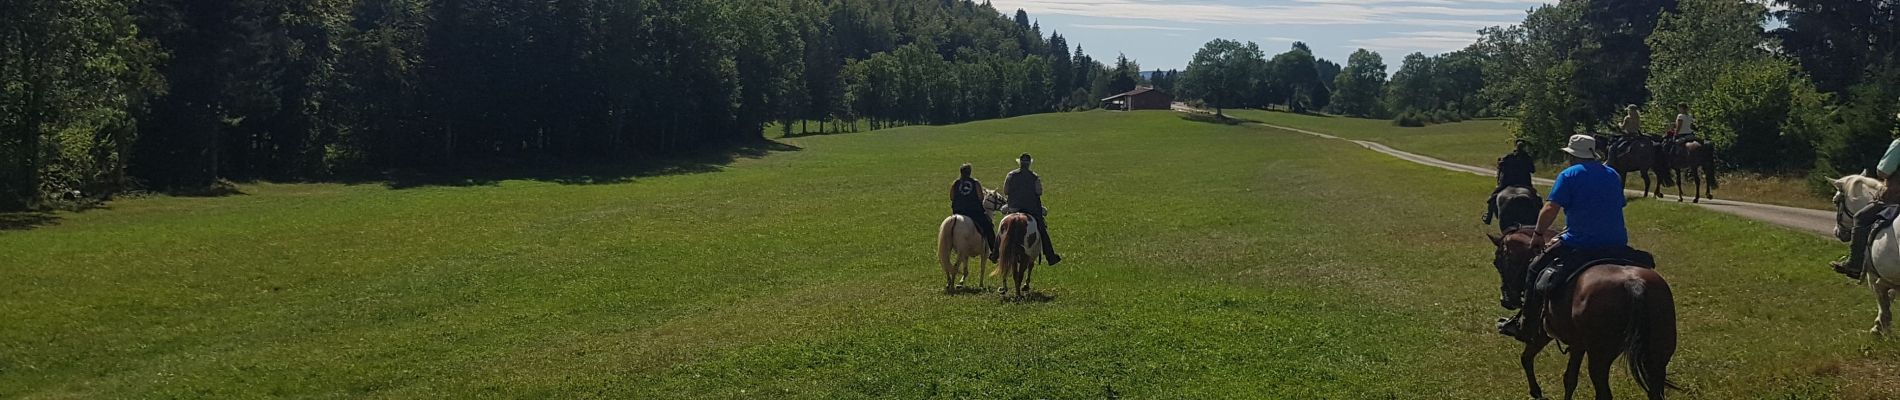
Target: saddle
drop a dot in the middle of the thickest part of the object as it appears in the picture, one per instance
(1888, 215)
(1552, 280)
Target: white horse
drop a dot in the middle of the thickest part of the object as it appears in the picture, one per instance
(958, 239)
(1851, 193)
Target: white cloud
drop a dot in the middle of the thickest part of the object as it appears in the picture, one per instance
(1132, 27)
(1429, 42)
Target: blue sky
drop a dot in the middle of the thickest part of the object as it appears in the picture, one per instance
(1163, 34)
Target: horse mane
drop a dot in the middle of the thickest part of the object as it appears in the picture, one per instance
(1859, 189)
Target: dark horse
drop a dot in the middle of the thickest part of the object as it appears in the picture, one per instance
(1634, 155)
(1607, 311)
(1695, 159)
(1517, 207)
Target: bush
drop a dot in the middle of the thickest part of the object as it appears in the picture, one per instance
(1408, 119)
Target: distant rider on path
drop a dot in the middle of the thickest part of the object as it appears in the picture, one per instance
(1514, 169)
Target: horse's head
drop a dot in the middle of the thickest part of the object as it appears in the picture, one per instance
(993, 201)
(1851, 193)
(1515, 251)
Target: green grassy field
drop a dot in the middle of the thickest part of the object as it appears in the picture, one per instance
(1480, 142)
(1204, 261)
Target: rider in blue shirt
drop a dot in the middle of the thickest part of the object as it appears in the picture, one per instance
(1590, 197)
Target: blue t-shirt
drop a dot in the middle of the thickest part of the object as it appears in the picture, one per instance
(1592, 197)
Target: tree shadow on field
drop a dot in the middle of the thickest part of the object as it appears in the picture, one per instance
(572, 173)
(1214, 119)
(20, 221)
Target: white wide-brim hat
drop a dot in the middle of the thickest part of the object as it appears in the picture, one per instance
(1582, 146)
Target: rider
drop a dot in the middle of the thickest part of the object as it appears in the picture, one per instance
(966, 199)
(1632, 122)
(1684, 129)
(1514, 169)
(1024, 189)
(1865, 218)
(1590, 196)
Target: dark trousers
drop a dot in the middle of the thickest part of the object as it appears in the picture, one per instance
(1862, 236)
(1048, 246)
(1491, 204)
(985, 226)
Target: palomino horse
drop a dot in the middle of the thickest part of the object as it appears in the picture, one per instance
(1607, 311)
(1635, 155)
(1020, 249)
(1851, 193)
(957, 238)
(1693, 160)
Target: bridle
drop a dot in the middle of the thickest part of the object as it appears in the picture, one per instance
(1843, 218)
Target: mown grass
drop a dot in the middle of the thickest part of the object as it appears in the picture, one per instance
(1480, 142)
(1205, 261)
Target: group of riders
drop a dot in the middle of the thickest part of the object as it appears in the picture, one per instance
(1022, 188)
(1589, 194)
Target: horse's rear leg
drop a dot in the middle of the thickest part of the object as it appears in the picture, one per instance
(1698, 185)
(1600, 363)
(1883, 296)
(1679, 184)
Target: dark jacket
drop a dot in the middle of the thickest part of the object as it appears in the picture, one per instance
(1515, 169)
(1024, 189)
(966, 196)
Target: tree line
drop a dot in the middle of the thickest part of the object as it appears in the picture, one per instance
(1817, 94)
(105, 95)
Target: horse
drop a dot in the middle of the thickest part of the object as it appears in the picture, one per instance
(958, 239)
(1851, 193)
(1607, 311)
(1019, 247)
(1635, 155)
(1694, 159)
(1517, 206)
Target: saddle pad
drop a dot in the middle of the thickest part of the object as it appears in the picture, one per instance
(1887, 217)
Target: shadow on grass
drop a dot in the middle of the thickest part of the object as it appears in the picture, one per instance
(586, 174)
(1215, 119)
(20, 221)
(819, 133)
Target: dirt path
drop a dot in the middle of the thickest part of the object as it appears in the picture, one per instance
(1816, 221)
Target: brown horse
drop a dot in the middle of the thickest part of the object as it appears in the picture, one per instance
(1019, 248)
(1635, 155)
(1607, 311)
(1695, 159)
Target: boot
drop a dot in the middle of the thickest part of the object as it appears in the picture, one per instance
(1530, 324)
(1856, 253)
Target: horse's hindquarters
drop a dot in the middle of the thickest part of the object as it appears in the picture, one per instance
(1883, 258)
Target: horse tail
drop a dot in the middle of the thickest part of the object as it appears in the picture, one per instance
(946, 240)
(1708, 168)
(1652, 335)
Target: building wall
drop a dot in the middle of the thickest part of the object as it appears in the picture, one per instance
(1151, 101)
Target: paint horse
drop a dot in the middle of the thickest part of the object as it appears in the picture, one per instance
(958, 240)
(1020, 249)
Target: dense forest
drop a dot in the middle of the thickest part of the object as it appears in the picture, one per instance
(108, 95)
(1816, 94)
